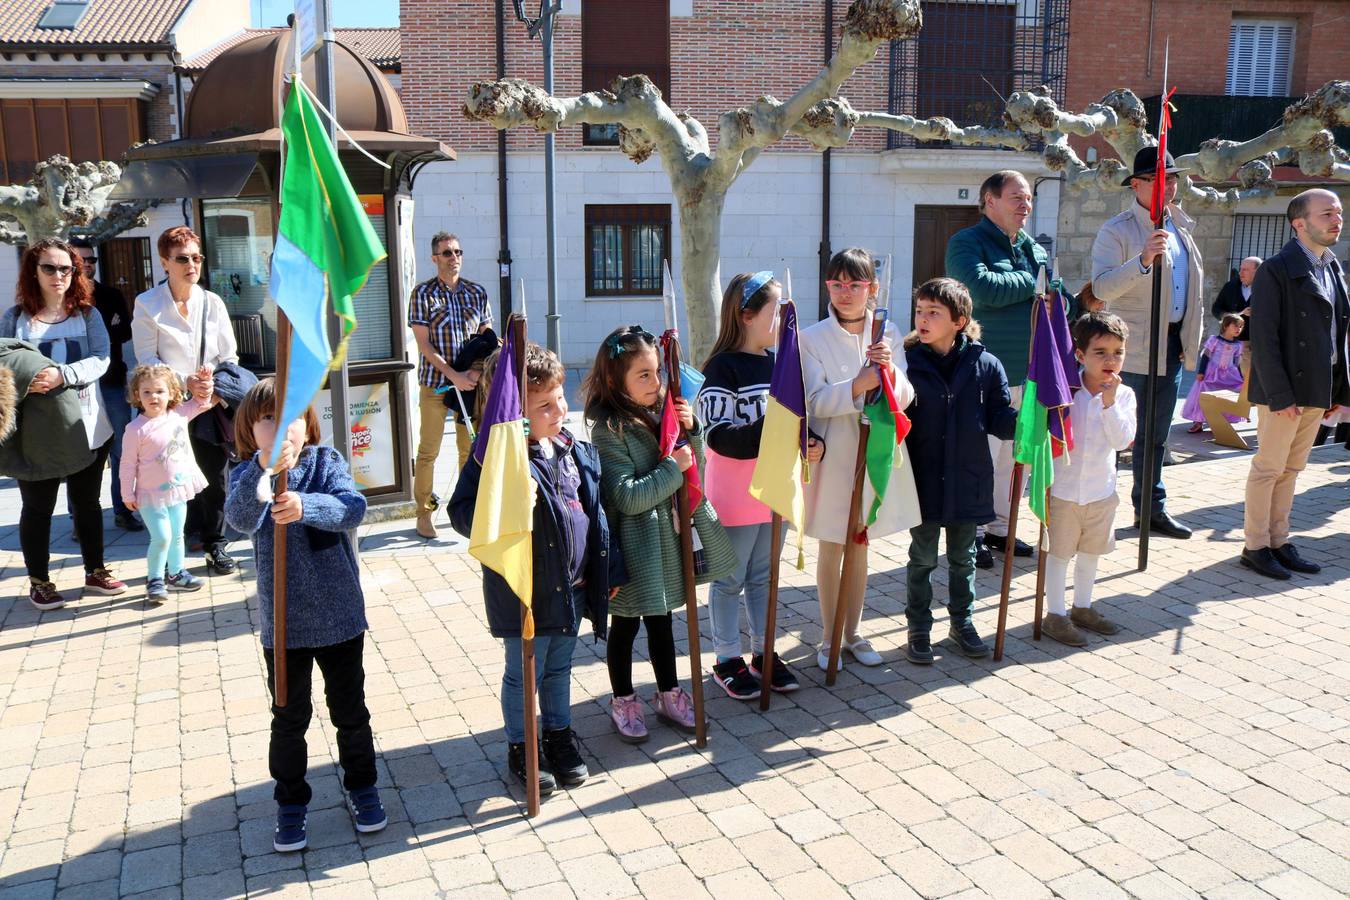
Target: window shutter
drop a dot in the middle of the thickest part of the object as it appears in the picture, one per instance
(625, 37)
(1260, 56)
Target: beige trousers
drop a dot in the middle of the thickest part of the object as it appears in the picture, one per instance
(828, 570)
(432, 412)
(1281, 453)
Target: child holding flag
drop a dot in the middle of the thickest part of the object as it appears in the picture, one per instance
(326, 610)
(626, 405)
(732, 404)
(840, 365)
(1083, 499)
(961, 398)
(576, 569)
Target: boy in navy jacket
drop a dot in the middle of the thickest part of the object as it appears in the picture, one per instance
(577, 569)
(961, 399)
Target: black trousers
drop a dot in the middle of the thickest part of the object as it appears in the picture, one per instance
(344, 688)
(660, 647)
(206, 511)
(39, 502)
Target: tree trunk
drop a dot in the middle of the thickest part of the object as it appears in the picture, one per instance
(700, 258)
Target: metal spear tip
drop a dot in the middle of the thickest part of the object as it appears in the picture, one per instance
(1041, 286)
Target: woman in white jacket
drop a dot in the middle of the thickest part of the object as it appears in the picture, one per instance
(837, 364)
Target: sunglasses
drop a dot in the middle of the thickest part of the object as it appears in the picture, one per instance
(847, 285)
(89, 260)
(183, 259)
(451, 254)
(49, 269)
(1149, 179)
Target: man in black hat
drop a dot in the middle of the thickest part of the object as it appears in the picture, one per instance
(1123, 256)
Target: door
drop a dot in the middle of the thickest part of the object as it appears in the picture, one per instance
(124, 263)
(933, 227)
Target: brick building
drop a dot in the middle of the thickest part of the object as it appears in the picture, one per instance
(615, 218)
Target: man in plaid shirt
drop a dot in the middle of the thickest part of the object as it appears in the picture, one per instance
(443, 313)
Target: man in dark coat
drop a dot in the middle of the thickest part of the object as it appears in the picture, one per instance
(1300, 369)
(1236, 296)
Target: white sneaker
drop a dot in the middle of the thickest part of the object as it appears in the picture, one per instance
(823, 658)
(862, 652)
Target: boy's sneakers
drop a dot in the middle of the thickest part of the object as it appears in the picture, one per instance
(733, 677)
(1089, 618)
(155, 591)
(983, 558)
(101, 581)
(515, 761)
(561, 753)
(967, 640)
(43, 596)
(290, 833)
(781, 680)
(367, 811)
(1059, 628)
(218, 562)
(675, 709)
(1000, 543)
(626, 715)
(184, 582)
(919, 649)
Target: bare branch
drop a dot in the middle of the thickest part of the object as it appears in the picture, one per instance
(119, 218)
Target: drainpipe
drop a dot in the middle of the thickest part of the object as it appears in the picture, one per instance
(503, 233)
(178, 97)
(824, 301)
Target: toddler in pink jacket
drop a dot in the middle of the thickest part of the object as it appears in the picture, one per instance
(160, 475)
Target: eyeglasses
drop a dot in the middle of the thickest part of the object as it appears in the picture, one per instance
(183, 259)
(49, 269)
(1149, 179)
(847, 285)
(90, 260)
(451, 253)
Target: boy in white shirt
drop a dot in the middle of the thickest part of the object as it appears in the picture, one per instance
(1083, 497)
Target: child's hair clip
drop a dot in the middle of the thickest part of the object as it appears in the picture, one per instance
(753, 284)
(615, 342)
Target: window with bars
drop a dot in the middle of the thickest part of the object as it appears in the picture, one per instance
(1257, 235)
(626, 245)
(1260, 57)
(623, 37)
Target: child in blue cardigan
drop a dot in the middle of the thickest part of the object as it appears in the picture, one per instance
(325, 609)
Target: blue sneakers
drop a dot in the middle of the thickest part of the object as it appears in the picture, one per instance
(184, 582)
(290, 834)
(154, 590)
(367, 810)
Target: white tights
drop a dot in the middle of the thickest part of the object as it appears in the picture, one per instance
(1084, 573)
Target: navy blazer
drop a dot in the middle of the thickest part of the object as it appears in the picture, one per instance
(1291, 334)
(949, 441)
(555, 611)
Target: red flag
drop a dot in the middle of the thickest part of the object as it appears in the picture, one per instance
(666, 439)
(1157, 207)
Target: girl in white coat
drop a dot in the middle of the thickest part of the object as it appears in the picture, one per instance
(839, 371)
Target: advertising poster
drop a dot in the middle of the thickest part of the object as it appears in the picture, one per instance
(372, 424)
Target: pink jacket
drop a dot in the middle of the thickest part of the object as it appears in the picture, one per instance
(158, 468)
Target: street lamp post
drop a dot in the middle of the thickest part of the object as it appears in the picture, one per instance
(542, 26)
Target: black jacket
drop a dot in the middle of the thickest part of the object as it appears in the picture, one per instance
(112, 306)
(554, 612)
(1230, 300)
(1291, 334)
(952, 421)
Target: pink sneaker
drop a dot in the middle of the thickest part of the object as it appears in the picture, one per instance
(675, 708)
(626, 715)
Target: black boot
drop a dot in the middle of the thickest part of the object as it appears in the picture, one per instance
(515, 760)
(562, 757)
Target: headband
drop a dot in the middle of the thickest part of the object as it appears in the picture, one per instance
(753, 285)
(614, 343)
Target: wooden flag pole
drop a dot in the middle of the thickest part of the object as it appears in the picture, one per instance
(851, 550)
(771, 613)
(1019, 471)
(685, 517)
(1040, 577)
(527, 662)
(280, 683)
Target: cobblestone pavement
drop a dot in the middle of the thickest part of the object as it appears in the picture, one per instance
(1203, 751)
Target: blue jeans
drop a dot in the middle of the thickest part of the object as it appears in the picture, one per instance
(923, 559)
(1168, 388)
(119, 414)
(553, 680)
(165, 524)
(750, 579)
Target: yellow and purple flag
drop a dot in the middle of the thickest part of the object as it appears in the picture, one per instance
(325, 249)
(781, 468)
(503, 515)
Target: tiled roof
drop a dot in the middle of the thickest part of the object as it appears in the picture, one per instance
(379, 45)
(118, 22)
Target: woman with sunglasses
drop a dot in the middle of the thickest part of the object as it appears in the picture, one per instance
(55, 313)
(182, 326)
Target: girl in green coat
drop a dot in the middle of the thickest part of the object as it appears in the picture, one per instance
(624, 398)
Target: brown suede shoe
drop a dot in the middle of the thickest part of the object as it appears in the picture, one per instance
(425, 527)
(1092, 620)
(1059, 628)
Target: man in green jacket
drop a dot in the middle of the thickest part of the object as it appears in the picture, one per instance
(997, 262)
